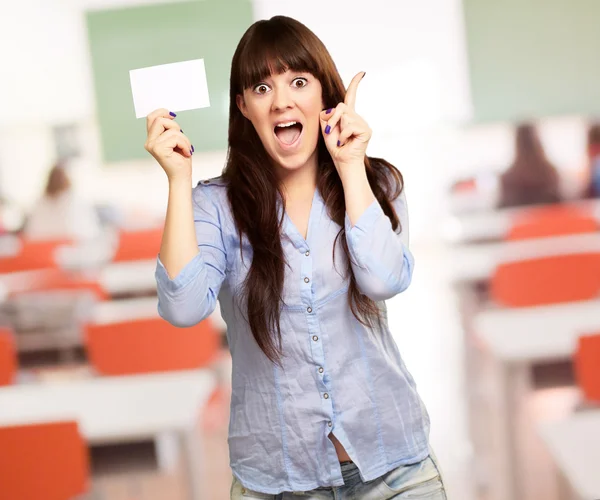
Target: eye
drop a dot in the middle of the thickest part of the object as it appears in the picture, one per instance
(261, 88)
(300, 82)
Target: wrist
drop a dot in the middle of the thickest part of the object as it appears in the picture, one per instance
(352, 175)
(180, 181)
(357, 191)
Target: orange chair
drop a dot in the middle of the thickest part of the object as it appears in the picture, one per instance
(43, 461)
(150, 345)
(138, 245)
(464, 185)
(8, 358)
(587, 366)
(33, 255)
(547, 280)
(557, 220)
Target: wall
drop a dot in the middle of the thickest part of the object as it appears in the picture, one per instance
(532, 59)
(415, 92)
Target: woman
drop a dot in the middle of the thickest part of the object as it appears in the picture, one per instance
(302, 239)
(59, 214)
(531, 179)
(593, 157)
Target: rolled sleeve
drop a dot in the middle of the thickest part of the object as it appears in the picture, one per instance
(381, 261)
(358, 234)
(187, 275)
(191, 296)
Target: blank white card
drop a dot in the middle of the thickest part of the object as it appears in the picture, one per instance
(177, 87)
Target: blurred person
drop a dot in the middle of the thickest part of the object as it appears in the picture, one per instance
(59, 214)
(531, 179)
(62, 215)
(593, 158)
(301, 240)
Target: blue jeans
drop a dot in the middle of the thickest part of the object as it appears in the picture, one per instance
(422, 480)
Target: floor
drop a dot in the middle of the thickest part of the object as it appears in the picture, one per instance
(131, 472)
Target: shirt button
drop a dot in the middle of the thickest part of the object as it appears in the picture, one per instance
(329, 424)
(326, 396)
(321, 370)
(315, 338)
(307, 253)
(309, 310)
(306, 280)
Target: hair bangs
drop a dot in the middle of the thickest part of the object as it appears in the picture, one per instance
(274, 51)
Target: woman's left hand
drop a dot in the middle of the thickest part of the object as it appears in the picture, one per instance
(346, 133)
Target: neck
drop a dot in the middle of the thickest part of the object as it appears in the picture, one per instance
(301, 182)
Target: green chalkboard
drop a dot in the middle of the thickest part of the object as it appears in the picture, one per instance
(138, 37)
(533, 58)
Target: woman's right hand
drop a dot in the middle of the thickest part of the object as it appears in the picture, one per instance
(167, 143)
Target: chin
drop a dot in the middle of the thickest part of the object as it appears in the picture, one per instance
(297, 160)
(293, 163)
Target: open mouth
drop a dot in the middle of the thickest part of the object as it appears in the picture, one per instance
(288, 133)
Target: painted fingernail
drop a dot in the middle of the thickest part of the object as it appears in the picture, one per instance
(193, 148)
(329, 110)
(191, 152)
(327, 129)
(338, 144)
(364, 74)
(172, 114)
(181, 131)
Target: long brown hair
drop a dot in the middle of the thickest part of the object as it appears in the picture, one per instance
(58, 181)
(272, 47)
(593, 140)
(593, 153)
(532, 178)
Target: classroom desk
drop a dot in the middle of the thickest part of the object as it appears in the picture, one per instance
(574, 444)
(113, 311)
(495, 224)
(478, 262)
(537, 334)
(116, 311)
(121, 409)
(124, 278)
(10, 245)
(515, 340)
(117, 278)
(110, 311)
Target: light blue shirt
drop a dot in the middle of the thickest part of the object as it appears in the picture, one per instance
(337, 375)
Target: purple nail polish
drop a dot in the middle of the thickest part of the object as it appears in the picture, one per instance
(191, 152)
(181, 131)
(193, 148)
(172, 114)
(329, 110)
(338, 144)
(327, 129)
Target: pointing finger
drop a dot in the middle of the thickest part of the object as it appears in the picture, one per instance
(350, 99)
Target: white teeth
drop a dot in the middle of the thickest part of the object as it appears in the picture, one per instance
(288, 124)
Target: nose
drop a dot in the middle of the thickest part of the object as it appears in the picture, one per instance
(282, 99)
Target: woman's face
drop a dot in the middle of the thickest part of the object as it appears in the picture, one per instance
(284, 110)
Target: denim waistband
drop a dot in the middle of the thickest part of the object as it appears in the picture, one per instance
(348, 469)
